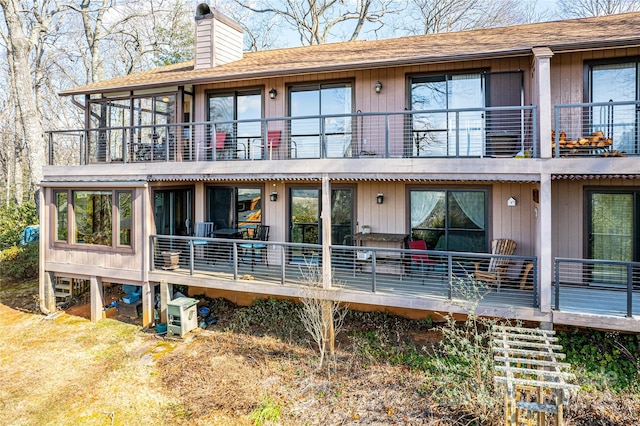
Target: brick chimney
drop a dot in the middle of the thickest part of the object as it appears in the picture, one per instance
(218, 39)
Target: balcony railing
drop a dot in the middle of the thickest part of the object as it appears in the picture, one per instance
(606, 287)
(469, 132)
(447, 276)
(602, 129)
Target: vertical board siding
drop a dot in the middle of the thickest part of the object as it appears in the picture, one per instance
(569, 214)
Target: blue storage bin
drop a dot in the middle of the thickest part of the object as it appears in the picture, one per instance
(131, 298)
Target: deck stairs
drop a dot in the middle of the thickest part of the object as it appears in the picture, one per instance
(63, 289)
(67, 288)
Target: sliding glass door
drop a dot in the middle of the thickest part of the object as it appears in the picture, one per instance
(612, 233)
(304, 220)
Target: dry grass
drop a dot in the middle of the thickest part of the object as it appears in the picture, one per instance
(71, 371)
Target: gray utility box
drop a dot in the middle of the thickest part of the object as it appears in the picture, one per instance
(182, 316)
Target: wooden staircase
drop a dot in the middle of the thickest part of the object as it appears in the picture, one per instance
(66, 288)
(63, 289)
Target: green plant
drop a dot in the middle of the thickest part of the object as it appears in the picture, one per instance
(13, 219)
(20, 262)
(603, 360)
(268, 410)
(463, 365)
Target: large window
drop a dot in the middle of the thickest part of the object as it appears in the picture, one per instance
(612, 231)
(173, 211)
(230, 207)
(617, 82)
(95, 216)
(237, 115)
(136, 128)
(445, 133)
(453, 220)
(314, 137)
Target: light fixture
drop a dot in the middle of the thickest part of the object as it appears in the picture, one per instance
(273, 196)
(273, 93)
(380, 198)
(511, 202)
(378, 86)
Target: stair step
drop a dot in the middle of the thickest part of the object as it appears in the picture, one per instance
(62, 294)
(63, 286)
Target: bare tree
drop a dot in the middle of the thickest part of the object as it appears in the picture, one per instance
(321, 315)
(25, 26)
(438, 16)
(319, 21)
(587, 8)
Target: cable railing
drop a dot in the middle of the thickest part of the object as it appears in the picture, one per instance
(605, 287)
(597, 129)
(448, 276)
(460, 133)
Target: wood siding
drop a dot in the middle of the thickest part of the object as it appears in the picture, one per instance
(567, 72)
(79, 260)
(569, 215)
(393, 96)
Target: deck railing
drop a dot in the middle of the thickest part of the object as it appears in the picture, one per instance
(597, 129)
(467, 132)
(605, 287)
(395, 272)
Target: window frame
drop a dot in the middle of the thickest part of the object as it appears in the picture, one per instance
(235, 188)
(71, 220)
(447, 190)
(318, 86)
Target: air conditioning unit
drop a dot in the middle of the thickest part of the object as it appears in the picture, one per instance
(182, 315)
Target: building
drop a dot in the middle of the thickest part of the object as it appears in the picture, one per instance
(344, 152)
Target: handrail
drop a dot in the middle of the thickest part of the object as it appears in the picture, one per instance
(602, 278)
(388, 134)
(384, 271)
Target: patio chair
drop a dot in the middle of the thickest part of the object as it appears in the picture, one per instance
(273, 142)
(202, 230)
(259, 234)
(217, 144)
(421, 259)
(497, 268)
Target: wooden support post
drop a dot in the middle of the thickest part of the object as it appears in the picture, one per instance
(97, 298)
(329, 331)
(147, 304)
(166, 292)
(47, 293)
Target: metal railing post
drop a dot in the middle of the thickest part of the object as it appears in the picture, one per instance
(556, 141)
(235, 261)
(386, 136)
(534, 133)
(536, 299)
(374, 280)
(457, 134)
(629, 290)
(282, 264)
(192, 258)
(557, 284)
(450, 274)
(152, 253)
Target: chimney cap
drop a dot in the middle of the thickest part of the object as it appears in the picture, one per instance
(203, 11)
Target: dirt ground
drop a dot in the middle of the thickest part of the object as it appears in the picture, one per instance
(63, 369)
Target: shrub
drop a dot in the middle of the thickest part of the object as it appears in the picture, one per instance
(603, 360)
(20, 262)
(13, 219)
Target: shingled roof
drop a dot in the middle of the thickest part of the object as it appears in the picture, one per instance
(576, 34)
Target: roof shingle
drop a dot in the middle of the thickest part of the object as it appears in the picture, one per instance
(588, 33)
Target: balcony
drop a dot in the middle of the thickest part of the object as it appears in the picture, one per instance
(615, 285)
(357, 271)
(602, 129)
(452, 133)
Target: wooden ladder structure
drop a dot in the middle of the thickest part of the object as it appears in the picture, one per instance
(67, 288)
(527, 362)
